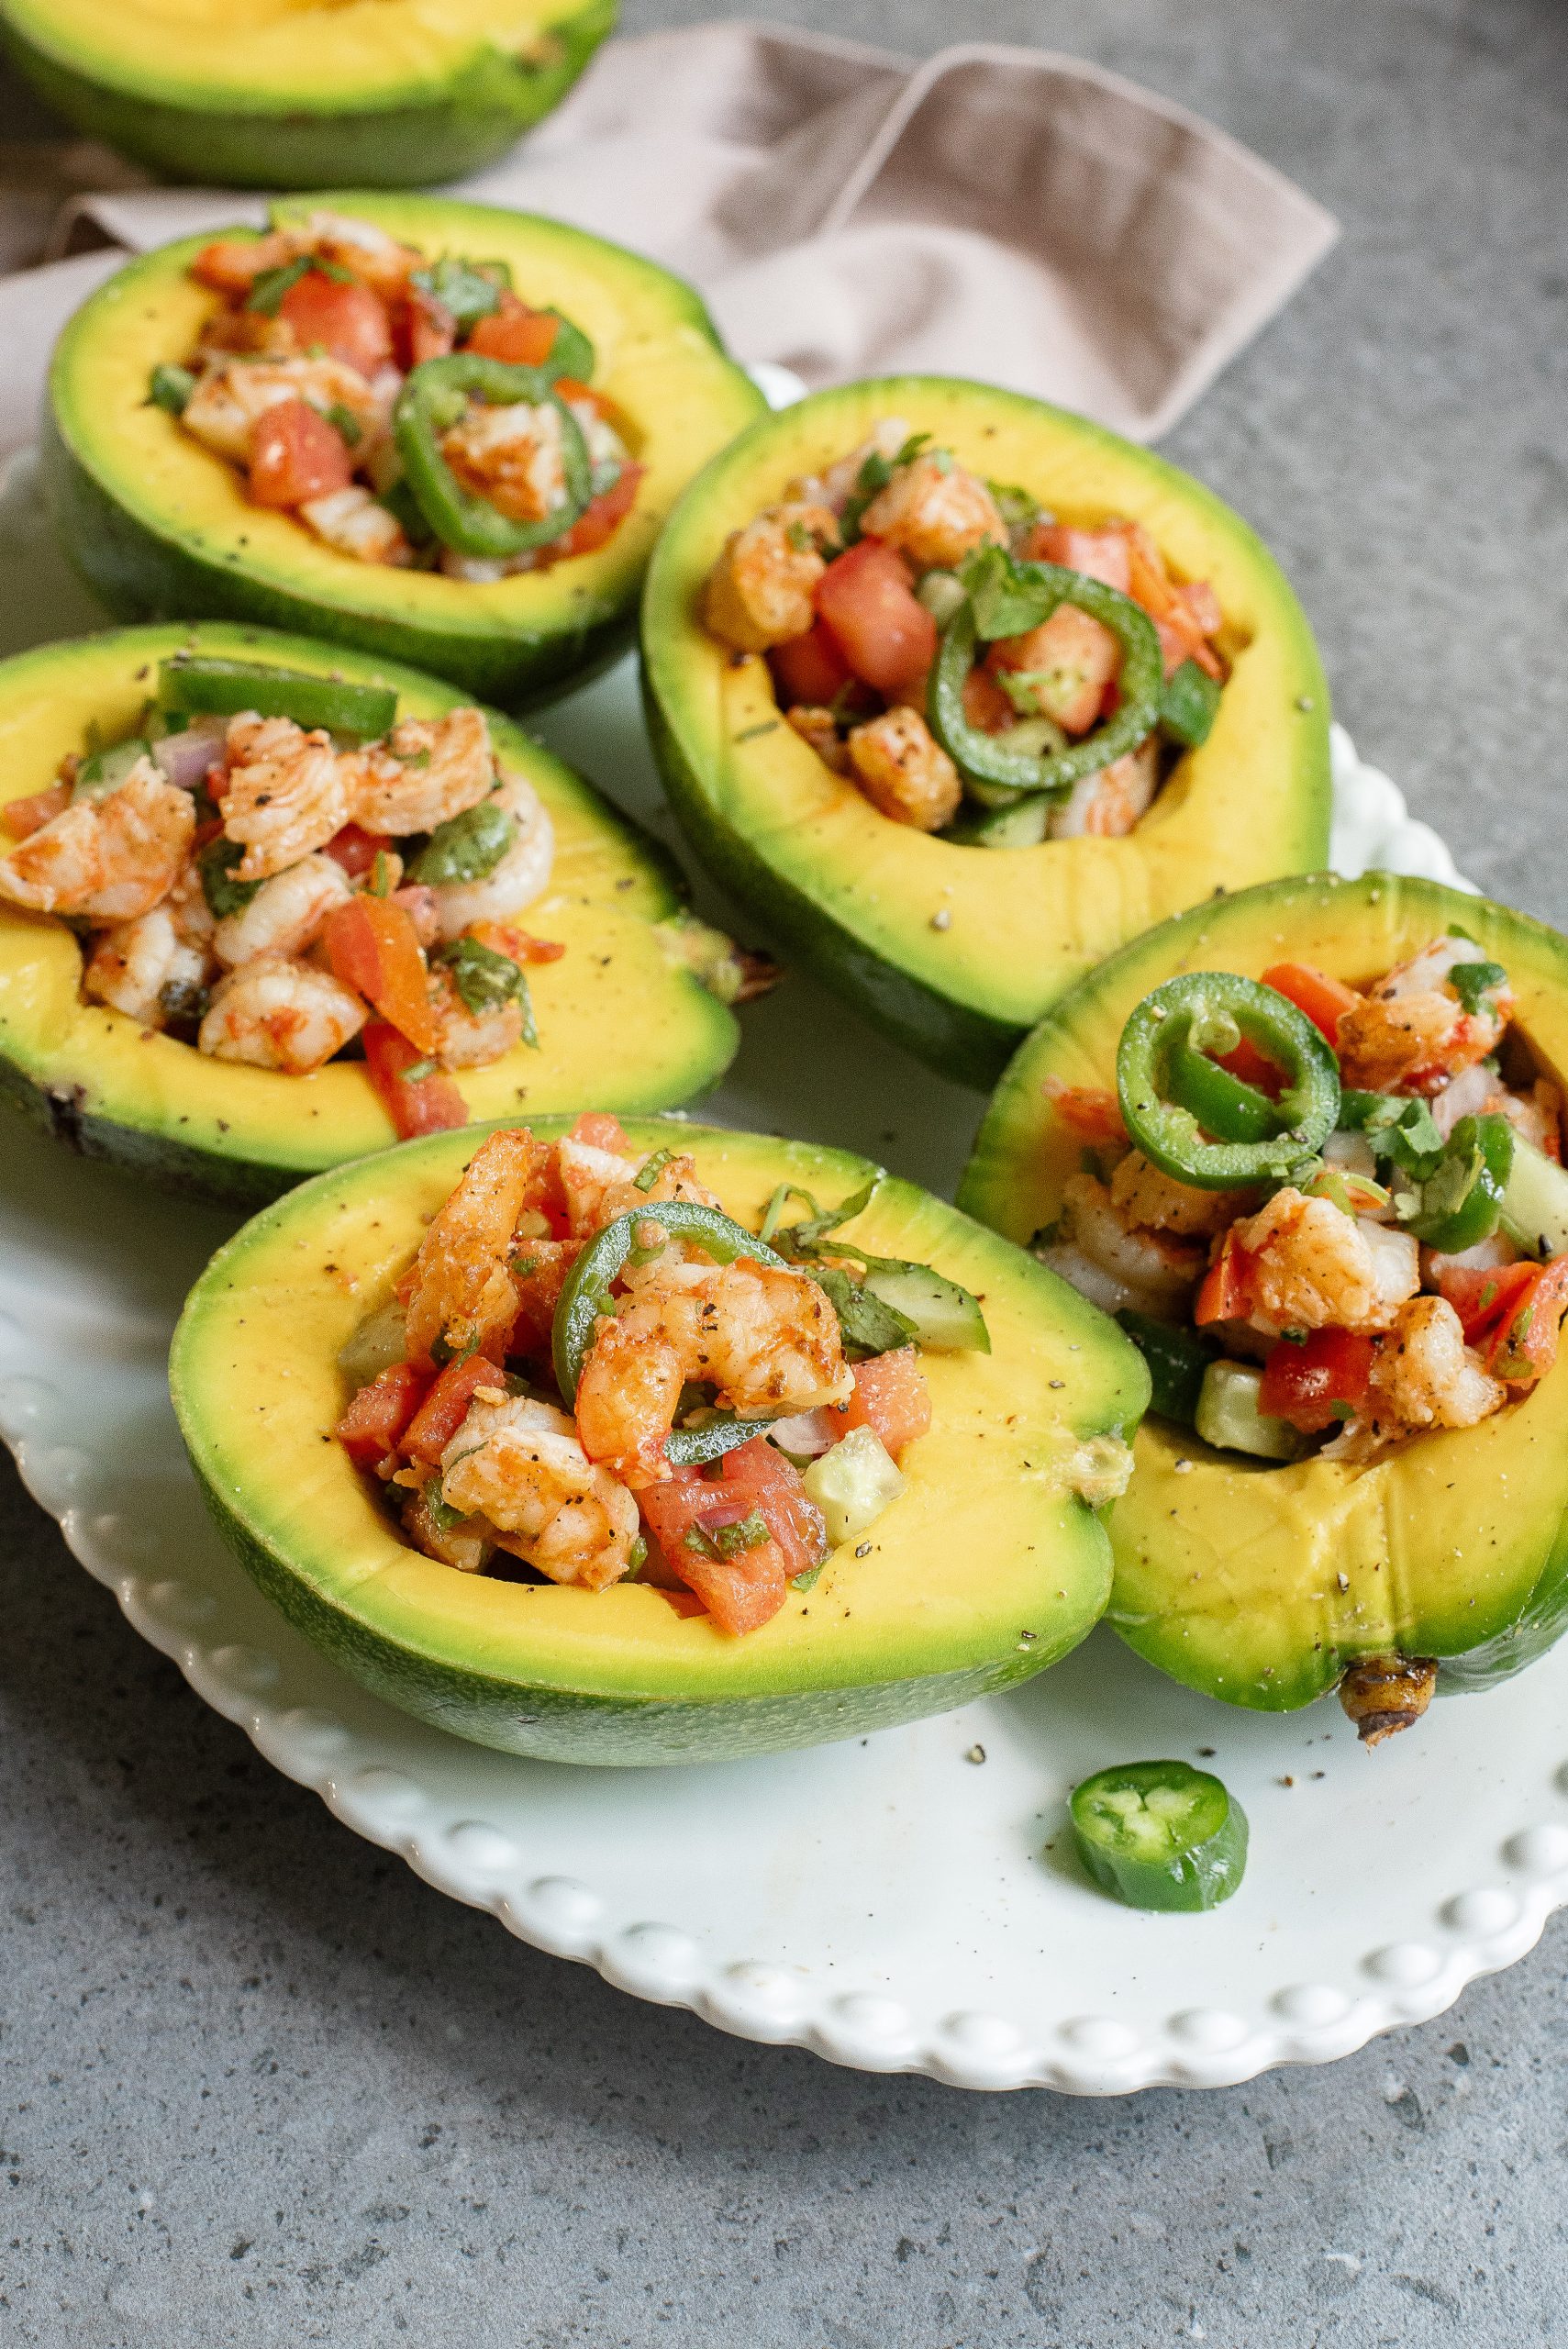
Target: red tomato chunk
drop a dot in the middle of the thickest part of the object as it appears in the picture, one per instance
(1317, 1382)
(374, 1423)
(445, 1407)
(349, 322)
(891, 1398)
(873, 616)
(297, 455)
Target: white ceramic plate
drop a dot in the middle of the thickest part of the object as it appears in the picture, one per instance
(896, 1904)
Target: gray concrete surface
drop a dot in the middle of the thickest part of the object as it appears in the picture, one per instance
(258, 2085)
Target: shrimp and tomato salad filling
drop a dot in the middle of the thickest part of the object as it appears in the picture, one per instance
(405, 410)
(1334, 1217)
(280, 890)
(954, 650)
(590, 1373)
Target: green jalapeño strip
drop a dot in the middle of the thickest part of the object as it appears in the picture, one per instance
(636, 1238)
(1008, 598)
(433, 400)
(1160, 1835)
(1195, 1120)
(202, 686)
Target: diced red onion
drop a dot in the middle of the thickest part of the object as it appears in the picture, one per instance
(808, 1433)
(185, 758)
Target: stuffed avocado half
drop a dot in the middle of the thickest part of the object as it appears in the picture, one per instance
(977, 1563)
(393, 96)
(615, 1006)
(261, 427)
(1374, 1495)
(960, 691)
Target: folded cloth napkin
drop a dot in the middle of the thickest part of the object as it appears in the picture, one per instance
(1003, 213)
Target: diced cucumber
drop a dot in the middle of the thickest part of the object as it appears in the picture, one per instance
(1189, 705)
(106, 770)
(1023, 825)
(1228, 1418)
(947, 1319)
(853, 1484)
(941, 592)
(1535, 1203)
(374, 1345)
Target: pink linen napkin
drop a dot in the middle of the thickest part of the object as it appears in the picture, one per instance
(1003, 213)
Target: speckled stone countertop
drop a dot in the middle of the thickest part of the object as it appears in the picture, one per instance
(261, 2085)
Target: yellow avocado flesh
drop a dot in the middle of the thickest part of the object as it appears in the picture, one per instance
(986, 1567)
(619, 1020)
(1255, 1583)
(1020, 924)
(353, 53)
(158, 522)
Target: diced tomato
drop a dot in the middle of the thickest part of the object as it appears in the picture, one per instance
(424, 328)
(883, 631)
(522, 337)
(1092, 1111)
(891, 1398)
(602, 1129)
(1226, 1293)
(373, 946)
(985, 705)
(355, 849)
(741, 1593)
(1523, 1346)
(1324, 1000)
(1098, 554)
(349, 321)
(517, 945)
(1317, 1382)
(1254, 1067)
(445, 1407)
(1482, 1295)
(296, 455)
(810, 669)
(1075, 659)
(424, 1104)
(598, 520)
(757, 1476)
(374, 1422)
(25, 817)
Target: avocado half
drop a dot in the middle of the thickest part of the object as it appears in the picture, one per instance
(956, 951)
(262, 94)
(1260, 1584)
(986, 1568)
(162, 529)
(622, 1020)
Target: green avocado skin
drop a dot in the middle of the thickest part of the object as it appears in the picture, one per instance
(471, 121)
(142, 575)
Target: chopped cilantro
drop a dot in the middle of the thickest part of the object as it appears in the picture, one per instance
(345, 423)
(270, 289)
(468, 289)
(748, 1533)
(488, 981)
(224, 894)
(1471, 981)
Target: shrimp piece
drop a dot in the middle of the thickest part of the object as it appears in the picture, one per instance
(461, 1288)
(520, 1465)
(818, 729)
(599, 1184)
(1537, 1115)
(904, 769)
(1410, 1034)
(765, 1336)
(193, 920)
(758, 592)
(358, 245)
(935, 512)
(427, 771)
(221, 412)
(1425, 1376)
(355, 523)
(285, 793)
(1151, 1271)
(107, 859)
(1152, 1201)
(512, 456)
(1313, 1267)
(1108, 806)
(141, 968)
(523, 871)
(286, 914)
(471, 1039)
(274, 1013)
(837, 486)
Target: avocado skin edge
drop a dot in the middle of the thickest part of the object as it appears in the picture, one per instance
(472, 121)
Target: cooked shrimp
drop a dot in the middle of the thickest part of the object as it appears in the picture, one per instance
(462, 1287)
(1313, 1267)
(904, 769)
(523, 871)
(1411, 1033)
(1106, 806)
(140, 968)
(599, 1184)
(277, 1014)
(758, 592)
(221, 412)
(193, 920)
(286, 913)
(1157, 1273)
(520, 1465)
(935, 512)
(427, 771)
(1148, 1199)
(286, 792)
(471, 1039)
(819, 729)
(108, 859)
(1425, 1376)
(512, 456)
(354, 522)
(765, 1336)
(359, 246)
(887, 437)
